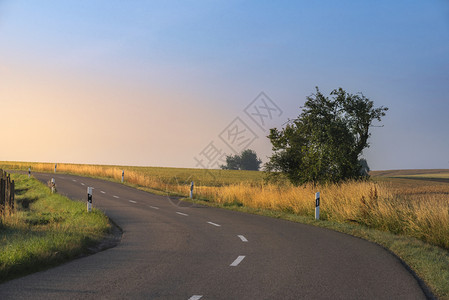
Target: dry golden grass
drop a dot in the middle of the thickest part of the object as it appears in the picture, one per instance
(424, 215)
(403, 206)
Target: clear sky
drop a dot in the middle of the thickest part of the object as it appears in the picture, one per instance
(176, 83)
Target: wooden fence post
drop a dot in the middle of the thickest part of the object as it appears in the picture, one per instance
(12, 198)
(7, 190)
(1, 192)
(2, 195)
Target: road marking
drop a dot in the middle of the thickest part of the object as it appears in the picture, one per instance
(242, 238)
(237, 261)
(196, 297)
(102, 192)
(132, 201)
(218, 225)
(82, 183)
(74, 180)
(182, 214)
(154, 207)
(116, 197)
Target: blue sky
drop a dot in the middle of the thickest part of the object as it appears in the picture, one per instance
(155, 82)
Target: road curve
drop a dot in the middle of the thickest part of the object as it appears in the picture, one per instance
(172, 250)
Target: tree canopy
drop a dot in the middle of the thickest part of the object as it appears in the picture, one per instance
(326, 140)
(247, 160)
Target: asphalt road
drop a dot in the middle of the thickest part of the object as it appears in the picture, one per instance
(172, 250)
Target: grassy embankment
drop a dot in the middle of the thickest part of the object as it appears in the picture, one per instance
(46, 230)
(408, 217)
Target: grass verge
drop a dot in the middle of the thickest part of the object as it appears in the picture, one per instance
(46, 230)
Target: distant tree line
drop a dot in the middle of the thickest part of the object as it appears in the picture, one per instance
(246, 160)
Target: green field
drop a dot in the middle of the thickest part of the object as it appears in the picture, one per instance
(204, 177)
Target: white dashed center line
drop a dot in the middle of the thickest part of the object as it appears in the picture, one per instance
(74, 180)
(82, 183)
(182, 214)
(132, 201)
(218, 225)
(243, 238)
(154, 207)
(116, 197)
(196, 297)
(237, 261)
(103, 192)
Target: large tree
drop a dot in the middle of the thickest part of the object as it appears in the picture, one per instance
(326, 140)
(247, 160)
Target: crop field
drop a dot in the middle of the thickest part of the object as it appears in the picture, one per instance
(430, 176)
(389, 202)
(409, 172)
(156, 177)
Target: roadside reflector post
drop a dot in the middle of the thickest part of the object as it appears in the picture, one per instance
(55, 167)
(89, 199)
(53, 185)
(317, 206)
(191, 190)
(123, 176)
(29, 172)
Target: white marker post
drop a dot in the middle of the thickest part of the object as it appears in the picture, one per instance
(191, 190)
(89, 199)
(317, 206)
(55, 167)
(53, 185)
(123, 175)
(29, 172)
